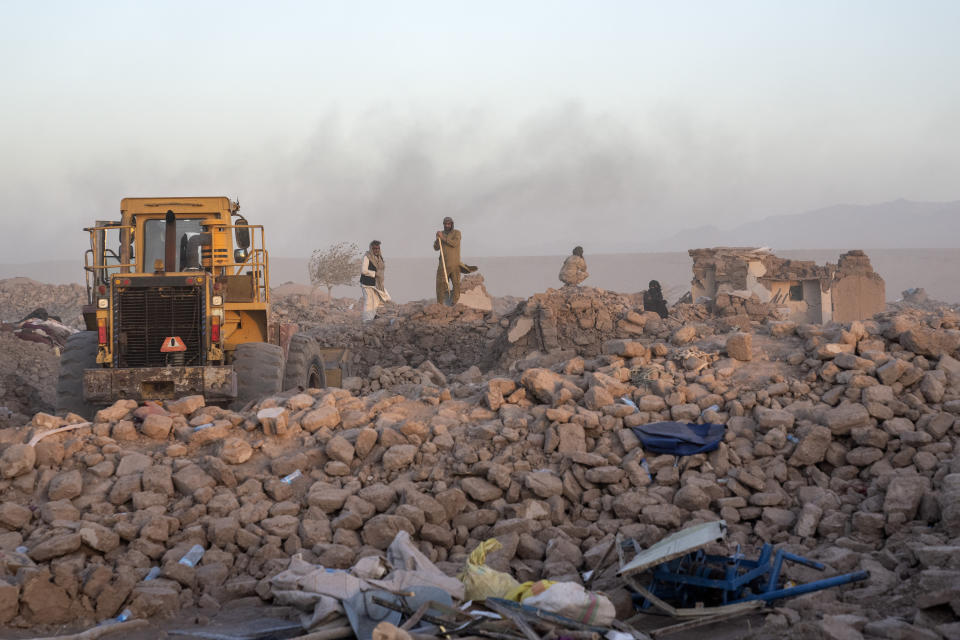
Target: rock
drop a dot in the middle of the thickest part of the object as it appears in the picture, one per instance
(778, 518)
(399, 456)
(65, 486)
(625, 348)
(890, 372)
(235, 451)
(480, 490)
(186, 406)
(16, 460)
(544, 484)
(845, 417)
(13, 515)
(903, 497)
(773, 418)
(597, 397)
(520, 328)
(115, 412)
(282, 526)
(124, 431)
(684, 335)
(688, 412)
(49, 453)
(190, 478)
(841, 627)
(273, 420)
(42, 602)
(133, 463)
(949, 501)
(59, 510)
(808, 521)
(380, 530)
(154, 598)
(9, 597)
(932, 386)
(929, 342)
(691, 498)
(542, 383)
(572, 438)
(740, 346)
(812, 448)
(604, 475)
(98, 537)
(156, 426)
(863, 456)
(325, 417)
(55, 547)
(339, 448)
(782, 328)
(898, 629)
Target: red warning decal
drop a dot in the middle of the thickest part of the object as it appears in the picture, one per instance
(173, 343)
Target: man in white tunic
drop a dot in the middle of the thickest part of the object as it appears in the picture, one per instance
(372, 272)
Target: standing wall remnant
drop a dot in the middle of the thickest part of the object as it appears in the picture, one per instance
(858, 291)
(799, 289)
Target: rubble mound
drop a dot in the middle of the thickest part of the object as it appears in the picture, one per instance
(453, 338)
(850, 459)
(28, 377)
(917, 298)
(20, 296)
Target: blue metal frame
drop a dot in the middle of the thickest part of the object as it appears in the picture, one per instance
(698, 577)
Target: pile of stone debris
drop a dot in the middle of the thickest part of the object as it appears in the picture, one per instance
(453, 339)
(28, 378)
(20, 296)
(841, 446)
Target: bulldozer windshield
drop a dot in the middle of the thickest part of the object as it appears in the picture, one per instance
(154, 236)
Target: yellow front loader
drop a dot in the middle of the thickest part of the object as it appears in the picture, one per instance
(179, 304)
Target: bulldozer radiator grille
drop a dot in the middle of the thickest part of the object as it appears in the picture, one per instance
(145, 316)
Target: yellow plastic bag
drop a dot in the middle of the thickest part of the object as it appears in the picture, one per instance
(529, 588)
(480, 581)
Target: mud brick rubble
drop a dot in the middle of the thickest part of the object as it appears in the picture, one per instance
(841, 445)
(20, 296)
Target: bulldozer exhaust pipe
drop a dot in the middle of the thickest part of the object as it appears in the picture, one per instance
(170, 243)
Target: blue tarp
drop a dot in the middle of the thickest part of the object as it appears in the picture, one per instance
(679, 438)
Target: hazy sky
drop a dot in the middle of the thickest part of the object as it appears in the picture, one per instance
(536, 125)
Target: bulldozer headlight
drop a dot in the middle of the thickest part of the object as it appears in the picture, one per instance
(102, 303)
(216, 301)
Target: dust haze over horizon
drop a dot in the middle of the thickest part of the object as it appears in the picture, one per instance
(536, 125)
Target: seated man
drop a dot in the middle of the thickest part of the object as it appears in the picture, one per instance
(653, 300)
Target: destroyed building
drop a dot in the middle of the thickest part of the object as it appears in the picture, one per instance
(800, 289)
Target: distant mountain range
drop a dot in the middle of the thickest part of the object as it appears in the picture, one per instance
(901, 224)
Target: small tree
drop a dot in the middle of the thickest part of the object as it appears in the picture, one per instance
(337, 264)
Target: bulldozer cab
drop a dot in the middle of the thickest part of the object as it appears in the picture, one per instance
(163, 251)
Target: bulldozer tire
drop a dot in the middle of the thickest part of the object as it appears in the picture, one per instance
(259, 369)
(79, 353)
(305, 367)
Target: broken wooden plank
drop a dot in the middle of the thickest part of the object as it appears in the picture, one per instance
(415, 618)
(599, 566)
(692, 612)
(693, 624)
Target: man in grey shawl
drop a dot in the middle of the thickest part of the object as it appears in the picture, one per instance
(372, 272)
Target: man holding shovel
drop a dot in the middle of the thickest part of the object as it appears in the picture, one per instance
(448, 271)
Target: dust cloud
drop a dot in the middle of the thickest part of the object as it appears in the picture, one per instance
(532, 185)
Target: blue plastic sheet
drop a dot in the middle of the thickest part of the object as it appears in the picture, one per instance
(680, 438)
